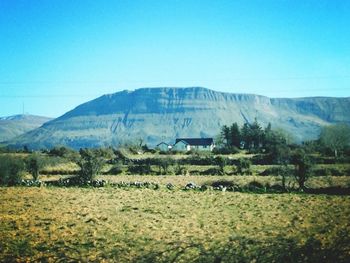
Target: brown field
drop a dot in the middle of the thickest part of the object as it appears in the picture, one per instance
(143, 225)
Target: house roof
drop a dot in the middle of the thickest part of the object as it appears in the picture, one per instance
(196, 141)
(162, 143)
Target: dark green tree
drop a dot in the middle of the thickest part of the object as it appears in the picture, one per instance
(235, 135)
(64, 152)
(273, 139)
(11, 170)
(35, 162)
(252, 135)
(90, 163)
(243, 166)
(221, 162)
(257, 135)
(303, 167)
(164, 164)
(246, 135)
(226, 135)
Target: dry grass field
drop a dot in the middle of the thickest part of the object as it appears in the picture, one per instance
(51, 224)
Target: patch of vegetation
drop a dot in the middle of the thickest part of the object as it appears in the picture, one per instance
(303, 167)
(243, 166)
(90, 164)
(35, 162)
(11, 170)
(115, 169)
(182, 226)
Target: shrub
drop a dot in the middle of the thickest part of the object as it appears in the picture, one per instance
(212, 171)
(180, 170)
(90, 164)
(303, 167)
(243, 166)
(164, 164)
(11, 170)
(142, 169)
(34, 163)
(120, 156)
(64, 152)
(226, 150)
(221, 162)
(277, 171)
(116, 169)
(255, 186)
(326, 171)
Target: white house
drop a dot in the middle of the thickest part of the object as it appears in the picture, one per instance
(187, 144)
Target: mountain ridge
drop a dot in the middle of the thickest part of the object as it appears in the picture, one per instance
(162, 114)
(15, 125)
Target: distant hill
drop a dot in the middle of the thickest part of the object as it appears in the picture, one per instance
(13, 126)
(162, 114)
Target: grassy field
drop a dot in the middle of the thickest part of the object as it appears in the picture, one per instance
(110, 224)
(143, 225)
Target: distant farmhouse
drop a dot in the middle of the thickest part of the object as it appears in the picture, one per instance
(164, 147)
(188, 144)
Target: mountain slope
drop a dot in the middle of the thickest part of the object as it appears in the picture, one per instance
(162, 114)
(13, 126)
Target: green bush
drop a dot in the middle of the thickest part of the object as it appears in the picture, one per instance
(116, 169)
(212, 171)
(243, 166)
(277, 171)
(326, 171)
(141, 169)
(226, 150)
(303, 167)
(65, 153)
(90, 164)
(11, 170)
(255, 185)
(164, 164)
(179, 169)
(34, 163)
(221, 163)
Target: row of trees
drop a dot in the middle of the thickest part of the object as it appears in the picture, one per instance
(279, 150)
(251, 136)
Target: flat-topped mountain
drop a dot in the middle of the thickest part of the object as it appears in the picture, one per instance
(163, 114)
(15, 125)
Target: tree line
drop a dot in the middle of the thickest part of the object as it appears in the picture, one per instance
(333, 139)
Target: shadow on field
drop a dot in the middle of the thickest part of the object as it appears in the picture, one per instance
(259, 188)
(333, 190)
(242, 249)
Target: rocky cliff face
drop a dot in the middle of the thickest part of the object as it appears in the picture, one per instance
(162, 114)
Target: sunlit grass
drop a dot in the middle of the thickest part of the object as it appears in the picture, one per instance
(110, 224)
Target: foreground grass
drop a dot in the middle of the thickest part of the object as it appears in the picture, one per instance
(143, 225)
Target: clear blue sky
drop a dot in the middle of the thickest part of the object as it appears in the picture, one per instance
(57, 54)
